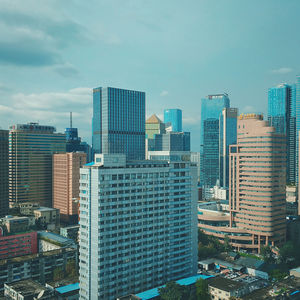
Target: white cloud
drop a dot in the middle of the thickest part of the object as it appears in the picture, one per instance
(283, 70)
(164, 93)
(50, 108)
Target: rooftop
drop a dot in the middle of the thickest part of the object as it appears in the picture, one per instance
(27, 287)
(150, 294)
(154, 119)
(68, 288)
(225, 284)
(44, 209)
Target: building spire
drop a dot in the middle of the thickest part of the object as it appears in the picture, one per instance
(71, 119)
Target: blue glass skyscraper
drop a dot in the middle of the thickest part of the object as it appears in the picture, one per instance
(119, 122)
(211, 109)
(282, 116)
(174, 117)
(228, 132)
(296, 96)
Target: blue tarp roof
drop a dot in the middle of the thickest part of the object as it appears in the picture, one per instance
(150, 294)
(90, 164)
(68, 288)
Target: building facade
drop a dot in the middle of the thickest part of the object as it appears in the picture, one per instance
(3, 172)
(282, 116)
(119, 122)
(18, 244)
(66, 173)
(227, 136)
(211, 109)
(74, 143)
(257, 182)
(172, 141)
(138, 224)
(173, 119)
(39, 266)
(31, 147)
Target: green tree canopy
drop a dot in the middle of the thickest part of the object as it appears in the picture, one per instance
(202, 290)
(174, 291)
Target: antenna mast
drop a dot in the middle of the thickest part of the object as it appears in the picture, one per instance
(71, 119)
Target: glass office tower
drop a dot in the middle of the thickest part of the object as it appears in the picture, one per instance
(3, 172)
(31, 147)
(282, 116)
(119, 122)
(211, 109)
(174, 118)
(296, 96)
(228, 131)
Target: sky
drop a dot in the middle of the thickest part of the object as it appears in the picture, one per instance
(53, 52)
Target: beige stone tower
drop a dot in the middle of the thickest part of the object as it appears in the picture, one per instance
(257, 179)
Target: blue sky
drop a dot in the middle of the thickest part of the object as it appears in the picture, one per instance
(52, 53)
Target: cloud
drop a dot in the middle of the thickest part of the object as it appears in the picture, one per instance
(50, 108)
(164, 93)
(65, 69)
(283, 70)
(36, 37)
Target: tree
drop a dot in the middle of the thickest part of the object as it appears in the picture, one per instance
(227, 245)
(71, 269)
(267, 254)
(287, 252)
(202, 290)
(174, 291)
(58, 274)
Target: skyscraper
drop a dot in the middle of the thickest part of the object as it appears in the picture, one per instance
(119, 122)
(227, 136)
(31, 147)
(282, 116)
(173, 117)
(297, 108)
(257, 175)
(172, 141)
(138, 224)
(3, 172)
(211, 109)
(66, 169)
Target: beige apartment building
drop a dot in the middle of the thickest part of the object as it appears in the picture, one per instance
(66, 175)
(257, 179)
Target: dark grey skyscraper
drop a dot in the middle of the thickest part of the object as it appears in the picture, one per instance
(119, 122)
(3, 172)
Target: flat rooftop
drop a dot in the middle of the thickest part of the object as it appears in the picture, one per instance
(68, 288)
(27, 287)
(225, 284)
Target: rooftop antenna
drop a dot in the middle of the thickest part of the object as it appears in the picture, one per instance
(71, 119)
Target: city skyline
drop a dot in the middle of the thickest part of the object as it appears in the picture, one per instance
(48, 76)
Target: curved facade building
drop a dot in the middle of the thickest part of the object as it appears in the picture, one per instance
(257, 178)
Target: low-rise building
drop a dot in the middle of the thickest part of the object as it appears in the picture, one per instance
(15, 224)
(39, 266)
(27, 290)
(47, 216)
(221, 288)
(70, 232)
(27, 208)
(14, 245)
(50, 241)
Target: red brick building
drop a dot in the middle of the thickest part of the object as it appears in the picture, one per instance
(18, 244)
